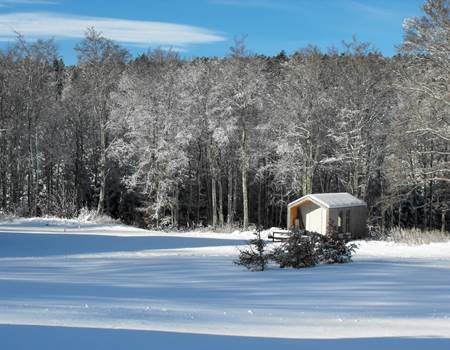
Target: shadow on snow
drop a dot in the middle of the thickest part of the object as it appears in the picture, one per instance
(19, 244)
(41, 337)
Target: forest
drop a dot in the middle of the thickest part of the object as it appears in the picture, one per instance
(161, 140)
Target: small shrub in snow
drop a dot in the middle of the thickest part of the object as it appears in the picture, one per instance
(254, 257)
(334, 250)
(298, 251)
(301, 249)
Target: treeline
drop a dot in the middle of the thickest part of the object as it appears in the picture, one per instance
(159, 140)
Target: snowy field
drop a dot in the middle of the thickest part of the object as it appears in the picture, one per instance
(70, 286)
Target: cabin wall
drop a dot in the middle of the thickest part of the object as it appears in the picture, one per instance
(358, 220)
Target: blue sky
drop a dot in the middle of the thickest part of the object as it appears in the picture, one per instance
(208, 27)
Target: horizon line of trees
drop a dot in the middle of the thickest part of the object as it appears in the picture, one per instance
(160, 141)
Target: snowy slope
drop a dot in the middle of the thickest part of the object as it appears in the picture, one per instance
(94, 286)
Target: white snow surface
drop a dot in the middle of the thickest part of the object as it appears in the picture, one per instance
(67, 285)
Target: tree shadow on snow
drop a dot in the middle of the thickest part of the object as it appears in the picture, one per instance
(20, 337)
(18, 244)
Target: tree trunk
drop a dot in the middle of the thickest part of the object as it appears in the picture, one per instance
(199, 189)
(221, 221)
(230, 197)
(424, 215)
(431, 190)
(259, 203)
(102, 175)
(245, 197)
(443, 220)
(280, 217)
(36, 173)
(213, 202)
(30, 171)
(235, 196)
(430, 206)
(176, 208)
(191, 203)
(244, 180)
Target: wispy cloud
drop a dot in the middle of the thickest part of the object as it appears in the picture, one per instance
(371, 10)
(44, 24)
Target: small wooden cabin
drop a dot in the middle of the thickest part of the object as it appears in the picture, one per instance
(315, 212)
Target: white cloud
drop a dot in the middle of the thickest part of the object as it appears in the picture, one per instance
(44, 24)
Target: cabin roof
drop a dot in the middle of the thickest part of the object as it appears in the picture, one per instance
(332, 200)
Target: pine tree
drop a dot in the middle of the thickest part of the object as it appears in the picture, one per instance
(254, 257)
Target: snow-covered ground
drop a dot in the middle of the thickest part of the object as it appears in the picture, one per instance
(65, 285)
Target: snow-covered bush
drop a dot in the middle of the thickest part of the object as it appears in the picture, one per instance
(7, 217)
(90, 216)
(301, 249)
(254, 257)
(298, 251)
(333, 250)
(305, 249)
(376, 233)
